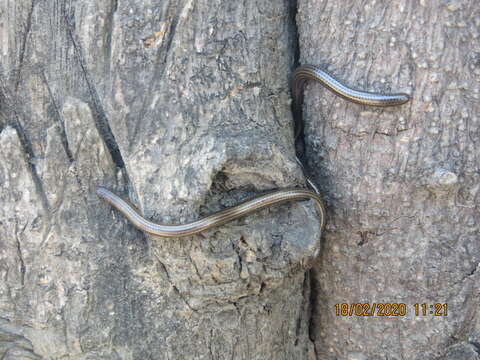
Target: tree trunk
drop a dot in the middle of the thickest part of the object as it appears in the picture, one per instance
(401, 184)
(183, 107)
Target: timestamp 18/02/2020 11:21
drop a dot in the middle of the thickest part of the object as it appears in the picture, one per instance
(390, 309)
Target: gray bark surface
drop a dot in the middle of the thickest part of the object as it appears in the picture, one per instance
(401, 184)
(183, 107)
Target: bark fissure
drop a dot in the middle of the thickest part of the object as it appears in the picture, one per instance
(12, 117)
(310, 302)
(59, 119)
(98, 112)
(23, 268)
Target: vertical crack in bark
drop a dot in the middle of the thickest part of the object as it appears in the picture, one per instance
(298, 126)
(305, 308)
(294, 27)
(58, 118)
(98, 112)
(309, 276)
(313, 296)
(20, 255)
(9, 110)
(10, 113)
(28, 27)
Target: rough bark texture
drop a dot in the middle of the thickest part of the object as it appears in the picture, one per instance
(184, 107)
(401, 184)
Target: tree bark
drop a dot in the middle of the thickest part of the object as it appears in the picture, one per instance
(401, 184)
(182, 106)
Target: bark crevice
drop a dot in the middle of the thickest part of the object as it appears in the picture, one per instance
(95, 102)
